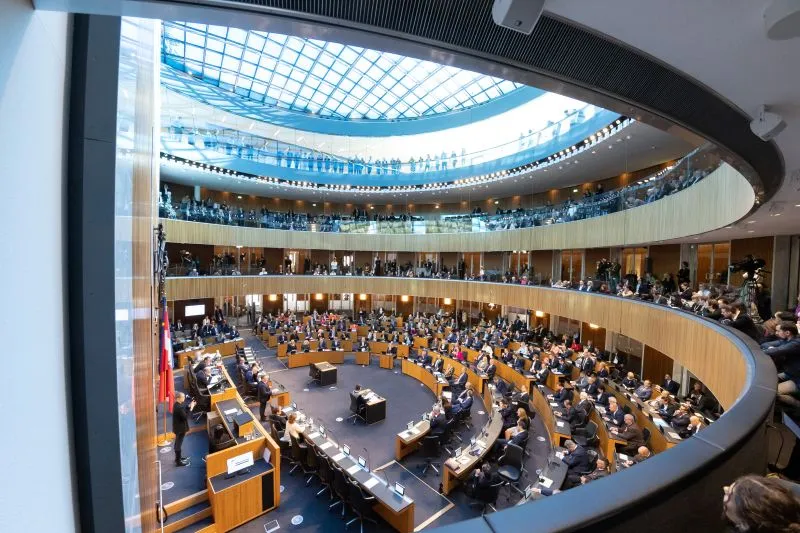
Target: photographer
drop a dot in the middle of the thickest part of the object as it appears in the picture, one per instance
(180, 425)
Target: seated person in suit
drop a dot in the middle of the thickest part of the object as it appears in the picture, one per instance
(697, 395)
(464, 401)
(362, 346)
(392, 349)
(522, 415)
(437, 420)
(581, 382)
(361, 402)
(480, 480)
(336, 344)
(614, 413)
(251, 376)
(460, 382)
(491, 368)
(642, 454)
(632, 433)
(693, 427)
(630, 382)
(561, 394)
(518, 363)
(601, 397)
(501, 387)
(291, 347)
(508, 414)
(600, 470)
(447, 408)
(277, 418)
(241, 365)
(584, 403)
(516, 435)
(644, 391)
(573, 416)
(602, 371)
(322, 346)
(203, 377)
(438, 365)
(293, 429)
(592, 385)
(670, 385)
(203, 363)
(680, 419)
(306, 346)
(578, 462)
(448, 374)
(424, 358)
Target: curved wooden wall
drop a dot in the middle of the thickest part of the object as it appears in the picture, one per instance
(720, 199)
(712, 357)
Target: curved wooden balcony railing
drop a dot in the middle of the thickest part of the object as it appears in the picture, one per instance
(721, 198)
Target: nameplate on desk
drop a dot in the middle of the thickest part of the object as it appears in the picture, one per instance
(622, 457)
(288, 409)
(554, 404)
(325, 445)
(560, 455)
(339, 456)
(230, 411)
(674, 435)
(353, 469)
(560, 424)
(546, 482)
(371, 482)
(314, 435)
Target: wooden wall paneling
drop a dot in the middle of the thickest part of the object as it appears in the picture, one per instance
(593, 255)
(686, 213)
(665, 258)
(655, 365)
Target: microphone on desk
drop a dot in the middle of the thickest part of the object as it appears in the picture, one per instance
(369, 462)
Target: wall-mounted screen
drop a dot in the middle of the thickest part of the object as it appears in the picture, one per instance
(195, 310)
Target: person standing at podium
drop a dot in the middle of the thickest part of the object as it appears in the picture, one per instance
(264, 396)
(180, 425)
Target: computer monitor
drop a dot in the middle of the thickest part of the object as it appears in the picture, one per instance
(399, 489)
(322, 430)
(472, 441)
(410, 426)
(457, 453)
(294, 406)
(345, 449)
(362, 463)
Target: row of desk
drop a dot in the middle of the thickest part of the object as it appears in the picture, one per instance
(347, 346)
(224, 349)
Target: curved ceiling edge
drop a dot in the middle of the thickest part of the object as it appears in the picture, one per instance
(462, 33)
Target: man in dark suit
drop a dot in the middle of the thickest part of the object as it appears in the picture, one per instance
(601, 397)
(463, 403)
(614, 414)
(264, 395)
(562, 393)
(631, 433)
(519, 437)
(437, 420)
(460, 382)
(204, 377)
(735, 316)
(508, 414)
(574, 417)
(362, 346)
(670, 385)
(336, 344)
(491, 370)
(577, 460)
(424, 358)
(438, 365)
(180, 425)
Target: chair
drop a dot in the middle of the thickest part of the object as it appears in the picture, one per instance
(341, 488)
(361, 504)
(447, 435)
(325, 473)
(311, 466)
(646, 435)
(357, 408)
(299, 452)
(587, 436)
(626, 409)
(511, 468)
(430, 450)
(220, 439)
(593, 456)
(488, 497)
(284, 445)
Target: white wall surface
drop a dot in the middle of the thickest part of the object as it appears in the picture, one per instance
(37, 491)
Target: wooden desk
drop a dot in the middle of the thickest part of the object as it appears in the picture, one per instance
(607, 441)
(386, 361)
(325, 372)
(224, 348)
(420, 374)
(306, 358)
(646, 417)
(420, 342)
(558, 433)
(408, 442)
(362, 358)
(520, 381)
(396, 510)
(456, 469)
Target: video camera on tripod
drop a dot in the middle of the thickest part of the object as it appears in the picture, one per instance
(751, 266)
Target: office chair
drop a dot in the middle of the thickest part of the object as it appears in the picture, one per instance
(299, 452)
(646, 435)
(341, 487)
(325, 473)
(593, 456)
(219, 439)
(358, 409)
(284, 445)
(627, 409)
(465, 417)
(362, 505)
(311, 465)
(488, 497)
(511, 468)
(430, 450)
(447, 435)
(587, 436)
(313, 374)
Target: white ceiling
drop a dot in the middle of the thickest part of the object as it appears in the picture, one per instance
(723, 45)
(646, 147)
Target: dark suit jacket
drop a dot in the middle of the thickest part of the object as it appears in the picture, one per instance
(617, 417)
(437, 424)
(745, 324)
(180, 418)
(264, 392)
(671, 386)
(633, 434)
(577, 460)
(202, 379)
(602, 399)
(562, 395)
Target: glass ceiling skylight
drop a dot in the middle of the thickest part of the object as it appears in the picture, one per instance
(323, 78)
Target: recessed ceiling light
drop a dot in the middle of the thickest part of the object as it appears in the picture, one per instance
(797, 205)
(751, 231)
(751, 221)
(574, 190)
(594, 151)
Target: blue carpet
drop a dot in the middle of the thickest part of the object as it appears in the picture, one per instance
(187, 479)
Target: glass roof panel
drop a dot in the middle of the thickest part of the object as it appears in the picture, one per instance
(371, 84)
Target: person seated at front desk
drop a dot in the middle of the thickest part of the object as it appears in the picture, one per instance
(515, 435)
(277, 418)
(670, 385)
(573, 416)
(463, 403)
(437, 419)
(491, 367)
(291, 347)
(224, 328)
(447, 408)
(501, 387)
(203, 363)
(424, 358)
(241, 366)
(541, 375)
(448, 374)
(204, 377)
(577, 460)
(631, 433)
(306, 346)
(251, 375)
(561, 394)
(459, 384)
(581, 382)
(614, 414)
(630, 382)
(680, 420)
(602, 370)
(362, 346)
(601, 397)
(518, 363)
(693, 427)
(336, 344)
(644, 391)
(438, 366)
(293, 429)
(392, 349)
(233, 333)
(508, 414)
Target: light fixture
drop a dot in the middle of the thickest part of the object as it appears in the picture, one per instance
(496, 202)
(318, 296)
(594, 326)
(539, 314)
(404, 298)
(574, 190)
(448, 301)
(362, 297)
(273, 297)
(239, 197)
(313, 205)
